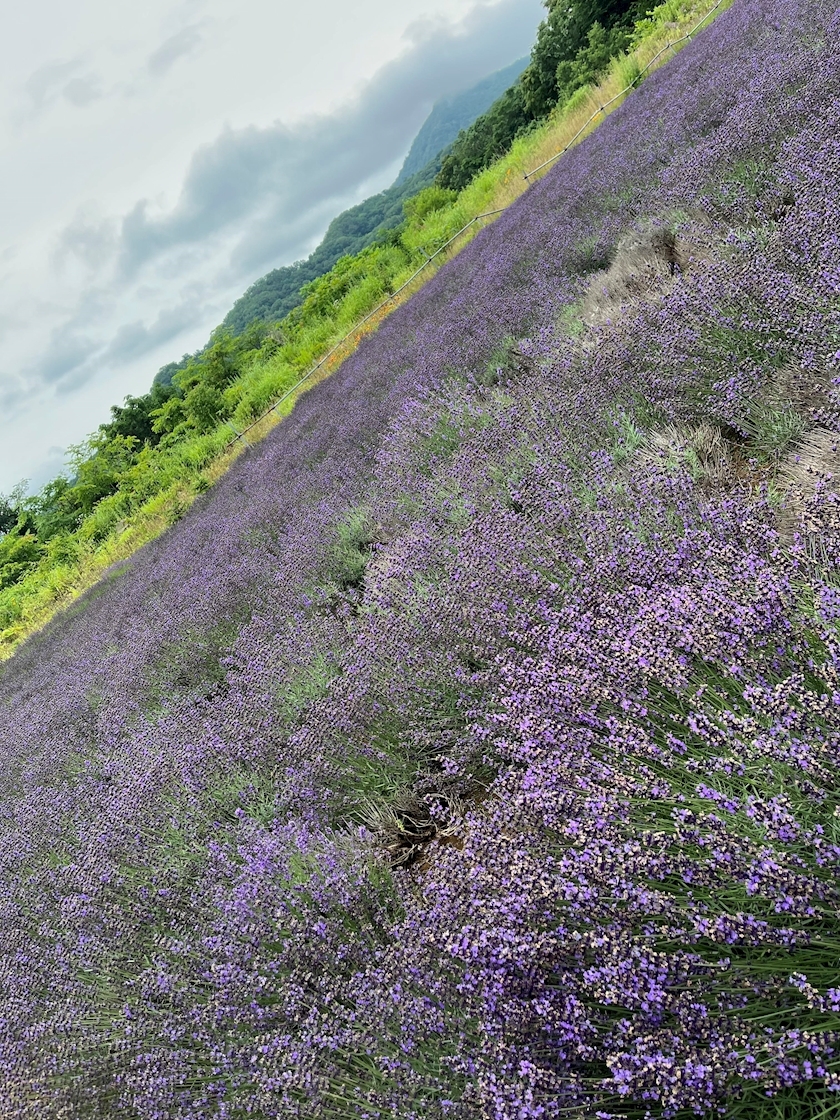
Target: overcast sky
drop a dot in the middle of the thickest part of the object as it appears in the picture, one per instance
(159, 157)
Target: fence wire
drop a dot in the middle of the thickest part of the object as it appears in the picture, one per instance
(528, 175)
(370, 315)
(669, 46)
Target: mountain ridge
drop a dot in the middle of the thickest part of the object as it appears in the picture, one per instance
(452, 114)
(273, 296)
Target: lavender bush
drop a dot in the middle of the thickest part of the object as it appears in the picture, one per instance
(471, 749)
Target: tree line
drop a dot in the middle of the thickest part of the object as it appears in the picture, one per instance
(574, 46)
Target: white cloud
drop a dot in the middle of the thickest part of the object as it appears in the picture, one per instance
(182, 43)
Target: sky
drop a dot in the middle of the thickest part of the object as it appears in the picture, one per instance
(160, 157)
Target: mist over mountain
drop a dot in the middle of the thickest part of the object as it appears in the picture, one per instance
(452, 114)
(275, 294)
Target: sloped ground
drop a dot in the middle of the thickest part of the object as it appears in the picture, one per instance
(471, 749)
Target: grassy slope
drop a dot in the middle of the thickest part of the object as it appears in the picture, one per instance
(167, 482)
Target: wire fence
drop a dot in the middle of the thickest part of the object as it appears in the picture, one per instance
(669, 46)
(360, 325)
(528, 175)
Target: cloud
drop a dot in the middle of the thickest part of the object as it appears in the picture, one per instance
(50, 82)
(251, 180)
(177, 46)
(14, 392)
(44, 84)
(67, 351)
(89, 239)
(82, 91)
(77, 352)
(134, 339)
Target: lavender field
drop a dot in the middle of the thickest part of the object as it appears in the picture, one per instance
(471, 749)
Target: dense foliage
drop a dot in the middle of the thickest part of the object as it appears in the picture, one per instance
(471, 749)
(574, 46)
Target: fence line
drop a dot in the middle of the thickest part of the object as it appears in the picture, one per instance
(479, 217)
(670, 45)
(627, 89)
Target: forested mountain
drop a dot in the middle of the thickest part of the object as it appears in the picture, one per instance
(274, 295)
(452, 114)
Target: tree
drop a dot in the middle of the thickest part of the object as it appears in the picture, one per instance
(11, 508)
(8, 515)
(135, 416)
(20, 550)
(195, 399)
(487, 138)
(99, 465)
(421, 205)
(55, 509)
(561, 36)
(590, 61)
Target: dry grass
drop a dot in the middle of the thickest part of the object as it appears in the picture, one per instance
(815, 460)
(699, 448)
(810, 468)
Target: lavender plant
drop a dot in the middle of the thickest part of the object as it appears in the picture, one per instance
(471, 749)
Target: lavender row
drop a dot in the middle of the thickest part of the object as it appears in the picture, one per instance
(471, 749)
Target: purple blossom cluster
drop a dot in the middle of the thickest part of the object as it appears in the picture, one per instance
(471, 749)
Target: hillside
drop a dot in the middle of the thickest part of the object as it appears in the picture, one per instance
(274, 295)
(452, 114)
(469, 751)
(139, 472)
